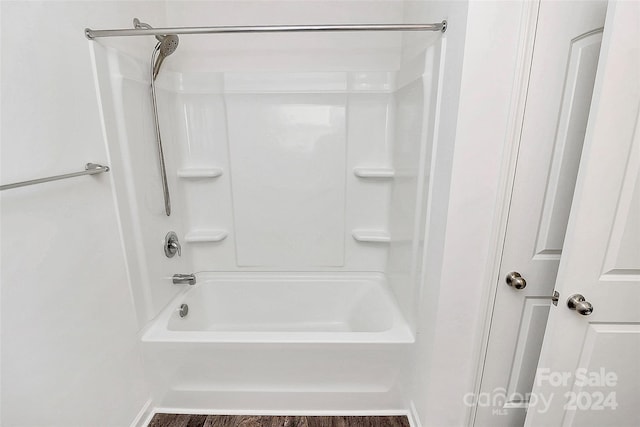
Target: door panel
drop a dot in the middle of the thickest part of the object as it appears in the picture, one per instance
(563, 70)
(623, 251)
(535, 312)
(572, 124)
(600, 343)
(601, 255)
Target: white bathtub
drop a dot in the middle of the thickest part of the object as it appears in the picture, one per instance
(283, 307)
(279, 342)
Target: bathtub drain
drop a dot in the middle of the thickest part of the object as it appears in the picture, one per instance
(184, 310)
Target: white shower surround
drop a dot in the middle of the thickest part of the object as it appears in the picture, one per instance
(226, 192)
(317, 167)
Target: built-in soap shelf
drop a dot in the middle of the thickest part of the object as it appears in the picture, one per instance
(197, 173)
(371, 236)
(375, 173)
(203, 236)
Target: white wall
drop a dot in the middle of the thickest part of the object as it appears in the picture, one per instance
(70, 352)
(461, 232)
(285, 52)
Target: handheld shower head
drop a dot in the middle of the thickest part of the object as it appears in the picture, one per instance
(169, 44)
(166, 46)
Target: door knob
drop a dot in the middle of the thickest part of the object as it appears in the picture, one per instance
(515, 280)
(578, 303)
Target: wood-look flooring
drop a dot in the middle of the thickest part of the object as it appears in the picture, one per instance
(182, 420)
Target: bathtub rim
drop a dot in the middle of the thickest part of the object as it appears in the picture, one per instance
(157, 330)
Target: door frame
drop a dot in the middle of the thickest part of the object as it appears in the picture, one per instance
(529, 23)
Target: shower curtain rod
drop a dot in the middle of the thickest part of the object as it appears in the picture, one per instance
(92, 34)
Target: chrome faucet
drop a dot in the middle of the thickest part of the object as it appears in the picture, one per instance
(181, 279)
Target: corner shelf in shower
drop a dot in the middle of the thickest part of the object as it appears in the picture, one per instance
(197, 173)
(376, 173)
(371, 236)
(203, 236)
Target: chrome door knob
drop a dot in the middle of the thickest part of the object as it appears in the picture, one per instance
(515, 280)
(578, 303)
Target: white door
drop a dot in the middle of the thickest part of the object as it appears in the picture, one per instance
(589, 368)
(563, 69)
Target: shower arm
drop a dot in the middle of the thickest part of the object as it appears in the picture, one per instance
(156, 122)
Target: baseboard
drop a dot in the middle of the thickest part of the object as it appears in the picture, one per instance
(373, 413)
(283, 402)
(414, 418)
(144, 416)
(149, 410)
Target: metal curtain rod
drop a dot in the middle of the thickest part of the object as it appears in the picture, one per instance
(92, 34)
(90, 169)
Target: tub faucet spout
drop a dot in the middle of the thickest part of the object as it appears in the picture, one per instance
(181, 279)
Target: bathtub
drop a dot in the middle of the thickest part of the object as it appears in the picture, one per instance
(284, 308)
(276, 341)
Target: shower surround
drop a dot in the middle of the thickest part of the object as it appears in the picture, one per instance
(299, 171)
